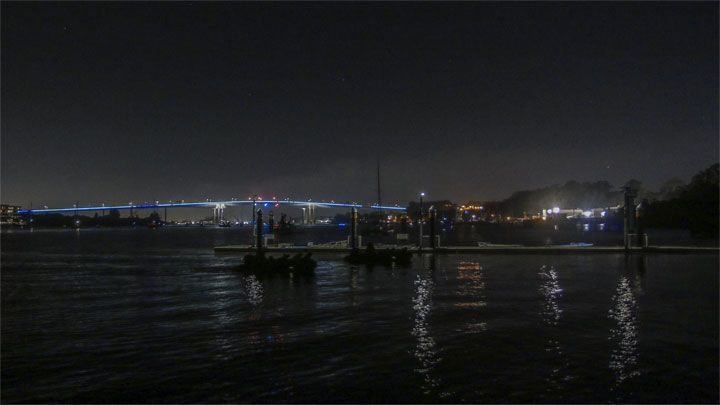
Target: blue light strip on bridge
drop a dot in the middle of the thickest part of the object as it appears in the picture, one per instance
(383, 207)
(206, 204)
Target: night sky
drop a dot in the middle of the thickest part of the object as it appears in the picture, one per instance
(106, 102)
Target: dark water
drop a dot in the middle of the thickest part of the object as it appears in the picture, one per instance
(153, 316)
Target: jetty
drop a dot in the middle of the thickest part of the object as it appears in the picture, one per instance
(353, 244)
(290, 249)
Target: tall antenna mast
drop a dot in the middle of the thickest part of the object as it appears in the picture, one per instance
(379, 201)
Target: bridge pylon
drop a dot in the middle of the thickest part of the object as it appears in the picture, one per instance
(218, 213)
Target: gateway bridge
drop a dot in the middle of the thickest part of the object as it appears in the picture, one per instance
(217, 206)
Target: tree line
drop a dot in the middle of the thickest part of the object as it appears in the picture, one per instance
(692, 206)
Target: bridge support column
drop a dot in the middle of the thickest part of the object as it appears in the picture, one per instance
(217, 214)
(353, 228)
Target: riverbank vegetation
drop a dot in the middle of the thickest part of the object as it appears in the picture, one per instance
(675, 205)
(695, 206)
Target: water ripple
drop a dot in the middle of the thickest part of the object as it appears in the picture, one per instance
(472, 290)
(624, 356)
(254, 291)
(425, 351)
(551, 291)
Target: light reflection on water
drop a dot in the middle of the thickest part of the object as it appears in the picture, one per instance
(254, 291)
(551, 291)
(354, 286)
(624, 356)
(472, 289)
(550, 314)
(424, 351)
(224, 296)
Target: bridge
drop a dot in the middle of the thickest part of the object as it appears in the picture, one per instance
(217, 206)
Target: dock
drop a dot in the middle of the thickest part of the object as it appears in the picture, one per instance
(230, 249)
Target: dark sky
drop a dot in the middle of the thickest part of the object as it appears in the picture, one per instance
(105, 102)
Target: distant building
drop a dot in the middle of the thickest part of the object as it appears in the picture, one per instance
(471, 211)
(445, 210)
(569, 213)
(9, 214)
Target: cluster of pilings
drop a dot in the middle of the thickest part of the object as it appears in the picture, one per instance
(354, 240)
(432, 219)
(633, 228)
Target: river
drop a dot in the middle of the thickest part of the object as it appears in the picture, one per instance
(154, 316)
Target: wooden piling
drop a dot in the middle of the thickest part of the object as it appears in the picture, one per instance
(432, 227)
(258, 242)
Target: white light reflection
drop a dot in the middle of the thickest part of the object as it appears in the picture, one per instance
(551, 291)
(425, 347)
(551, 313)
(624, 357)
(254, 290)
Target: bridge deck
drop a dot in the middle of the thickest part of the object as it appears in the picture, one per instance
(210, 204)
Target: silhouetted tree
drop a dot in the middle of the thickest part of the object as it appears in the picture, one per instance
(672, 188)
(695, 207)
(702, 200)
